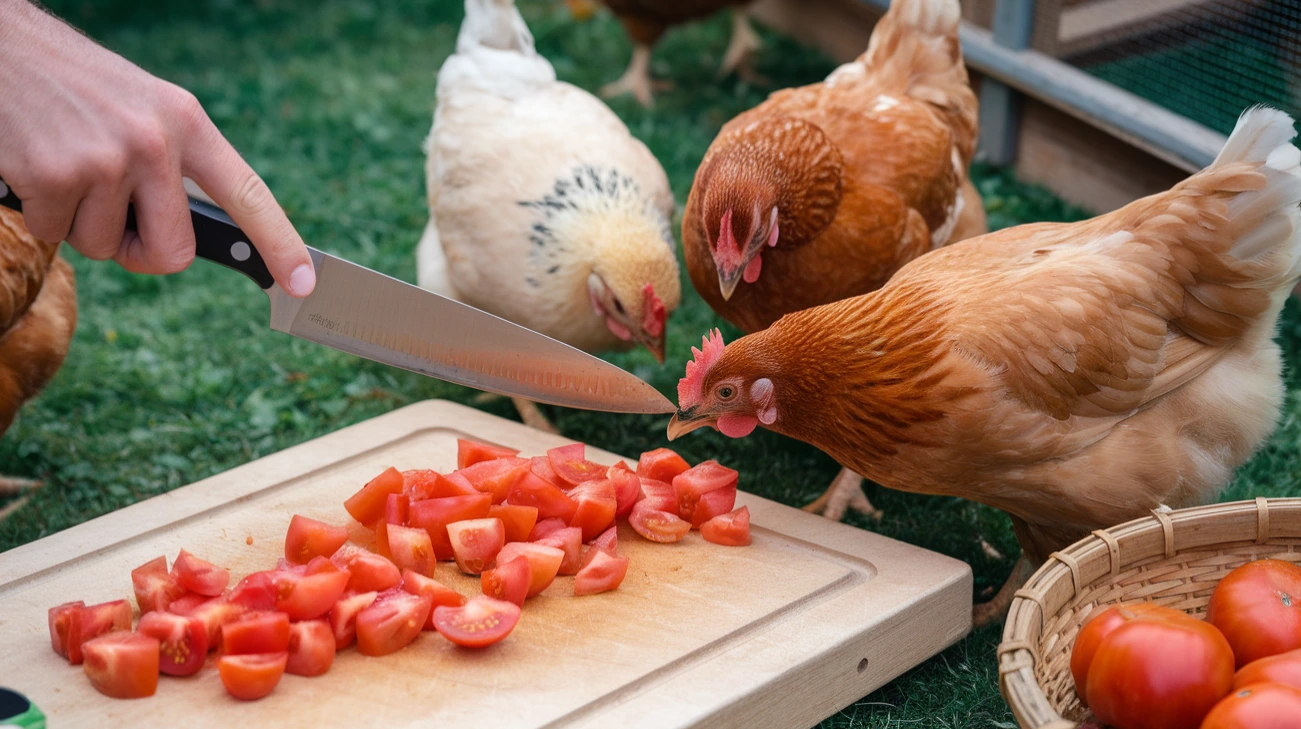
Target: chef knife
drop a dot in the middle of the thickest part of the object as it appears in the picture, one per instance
(363, 312)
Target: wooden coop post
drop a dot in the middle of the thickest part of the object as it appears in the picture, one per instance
(1000, 105)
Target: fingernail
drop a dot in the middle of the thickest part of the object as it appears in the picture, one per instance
(302, 280)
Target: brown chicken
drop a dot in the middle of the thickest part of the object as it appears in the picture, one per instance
(38, 313)
(646, 20)
(1072, 375)
(823, 192)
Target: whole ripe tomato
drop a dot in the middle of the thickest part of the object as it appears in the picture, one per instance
(1283, 668)
(1099, 627)
(1258, 608)
(1259, 706)
(1158, 669)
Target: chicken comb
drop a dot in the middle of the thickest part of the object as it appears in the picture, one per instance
(654, 312)
(691, 387)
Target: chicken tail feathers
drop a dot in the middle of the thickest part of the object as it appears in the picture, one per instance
(494, 24)
(930, 17)
(1263, 139)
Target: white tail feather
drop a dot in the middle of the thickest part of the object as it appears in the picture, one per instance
(932, 17)
(493, 24)
(1263, 136)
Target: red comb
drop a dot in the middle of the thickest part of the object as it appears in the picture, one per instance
(690, 388)
(654, 312)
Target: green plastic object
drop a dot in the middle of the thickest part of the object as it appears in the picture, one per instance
(17, 710)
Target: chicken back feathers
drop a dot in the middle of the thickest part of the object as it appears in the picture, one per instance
(1073, 375)
(865, 171)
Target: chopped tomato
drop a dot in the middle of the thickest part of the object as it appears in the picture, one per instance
(65, 630)
(570, 541)
(476, 542)
(410, 548)
(544, 563)
(92, 622)
(343, 617)
(481, 622)
(657, 526)
(518, 520)
(185, 604)
(433, 515)
(550, 501)
(602, 573)
(201, 576)
(367, 505)
(546, 527)
(381, 540)
(438, 593)
(609, 540)
(508, 581)
(395, 509)
(596, 507)
(691, 485)
(434, 485)
(571, 465)
(255, 632)
(496, 477)
(469, 452)
(658, 496)
(391, 622)
(122, 665)
(732, 530)
(718, 502)
(369, 571)
(252, 676)
(215, 613)
(154, 586)
(257, 591)
(543, 470)
(309, 596)
(311, 648)
(182, 641)
(627, 488)
(661, 464)
(309, 538)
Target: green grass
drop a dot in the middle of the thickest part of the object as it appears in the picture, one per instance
(173, 379)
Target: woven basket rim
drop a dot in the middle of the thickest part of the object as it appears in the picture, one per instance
(1102, 556)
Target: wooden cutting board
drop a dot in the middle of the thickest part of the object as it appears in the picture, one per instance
(783, 633)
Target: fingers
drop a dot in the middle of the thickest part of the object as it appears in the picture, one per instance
(48, 214)
(98, 225)
(164, 239)
(215, 165)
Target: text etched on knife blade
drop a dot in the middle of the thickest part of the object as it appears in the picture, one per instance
(324, 322)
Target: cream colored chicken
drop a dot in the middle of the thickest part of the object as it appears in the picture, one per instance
(544, 209)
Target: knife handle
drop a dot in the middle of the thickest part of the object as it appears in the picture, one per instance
(216, 237)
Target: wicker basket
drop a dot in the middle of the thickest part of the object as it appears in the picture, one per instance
(1172, 558)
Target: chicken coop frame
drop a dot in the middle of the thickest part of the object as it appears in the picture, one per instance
(1089, 141)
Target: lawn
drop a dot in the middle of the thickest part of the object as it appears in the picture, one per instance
(171, 380)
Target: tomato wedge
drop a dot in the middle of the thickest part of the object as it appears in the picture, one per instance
(369, 571)
(311, 648)
(657, 526)
(732, 530)
(543, 470)
(391, 622)
(544, 563)
(712, 504)
(658, 495)
(508, 581)
(571, 465)
(367, 505)
(627, 488)
(438, 593)
(570, 541)
(257, 591)
(496, 477)
(65, 630)
(481, 622)
(309, 538)
(343, 617)
(609, 540)
(692, 485)
(410, 548)
(154, 586)
(256, 632)
(661, 464)
(604, 572)
(201, 576)
(476, 542)
(549, 500)
(395, 510)
(215, 612)
(252, 676)
(470, 452)
(122, 665)
(596, 507)
(182, 641)
(546, 527)
(309, 596)
(421, 485)
(433, 515)
(91, 622)
(518, 520)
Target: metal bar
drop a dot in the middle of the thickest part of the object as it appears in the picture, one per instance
(1000, 106)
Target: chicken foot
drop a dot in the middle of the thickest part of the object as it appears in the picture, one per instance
(10, 486)
(996, 609)
(739, 58)
(637, 79)
(846, 492)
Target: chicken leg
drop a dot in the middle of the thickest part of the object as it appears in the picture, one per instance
(996, 609)
(845, 491)
(739, 58)
(10, 486)
(637, 79)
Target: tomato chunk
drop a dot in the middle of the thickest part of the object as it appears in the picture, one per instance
(609, 540)
(309, 596)
(546, 528)
(182, 641)
(391, 622)
(596, 507)
(433, 515)
(369, 571)
(90, 622)
(496, 477)
(603, 572)
(627, 488)
(343, 617)
(658, 495)
(438, 593)
(543, 470)
(549, 500)
(421, 485)
(661, 464)
(508, 581)
(692, 485)
(311, 648)
(154, 586)
(367, 505)
(544, 563)
(253, 676)
(476, 542)
(201, 576)
(410, 548)
(122, 665)
(481, 622)
(718, 502)
(469, 452)
(215, 612)
(518, 520)
(732, 530)
(395, 509)
(65, 630)
(571, 465)
(256, 632)
(257, 591)
(657, 526)
(570, 541)
(309, 538)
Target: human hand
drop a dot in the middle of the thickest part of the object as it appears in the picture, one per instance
(85, 132)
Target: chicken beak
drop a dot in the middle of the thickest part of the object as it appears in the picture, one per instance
(685, 422)
(728, 281)
(653, 343)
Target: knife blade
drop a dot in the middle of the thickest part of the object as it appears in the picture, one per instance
(366, 313)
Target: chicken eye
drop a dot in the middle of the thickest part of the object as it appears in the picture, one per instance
(618, 306)
(726, 392)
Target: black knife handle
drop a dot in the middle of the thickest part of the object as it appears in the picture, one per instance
(216, 237)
